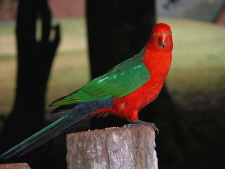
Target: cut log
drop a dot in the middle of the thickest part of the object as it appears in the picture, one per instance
(112, 148)
(15, 166)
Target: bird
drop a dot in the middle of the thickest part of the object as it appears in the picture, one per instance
(123, 91)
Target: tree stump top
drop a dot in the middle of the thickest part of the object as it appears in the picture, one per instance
(113, 148)
(15, 166)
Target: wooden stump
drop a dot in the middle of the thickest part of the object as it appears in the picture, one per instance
(112, 148)
(14, 166)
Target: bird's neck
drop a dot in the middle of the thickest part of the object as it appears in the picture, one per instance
(157, 61)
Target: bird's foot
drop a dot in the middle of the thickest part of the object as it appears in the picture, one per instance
(140, 122)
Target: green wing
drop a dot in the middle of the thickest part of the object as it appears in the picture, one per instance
(118, 82)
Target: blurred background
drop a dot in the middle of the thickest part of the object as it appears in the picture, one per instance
(80, 40)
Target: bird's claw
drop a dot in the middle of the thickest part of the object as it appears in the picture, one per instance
(140, 122)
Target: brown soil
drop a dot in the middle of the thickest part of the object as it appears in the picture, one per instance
(59, 9)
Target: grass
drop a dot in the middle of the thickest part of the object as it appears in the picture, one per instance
(197, 67)
(70, 68)
(198, 57)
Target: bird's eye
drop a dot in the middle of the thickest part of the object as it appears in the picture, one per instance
(152, 33)
(171, 33)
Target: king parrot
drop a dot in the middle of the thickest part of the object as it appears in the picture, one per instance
(123, 91)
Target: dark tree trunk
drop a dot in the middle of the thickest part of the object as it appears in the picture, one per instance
(116, 31)
(34, 62)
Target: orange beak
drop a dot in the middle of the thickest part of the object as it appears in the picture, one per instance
(162, 40)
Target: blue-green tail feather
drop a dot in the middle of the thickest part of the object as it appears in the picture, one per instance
(57, 127)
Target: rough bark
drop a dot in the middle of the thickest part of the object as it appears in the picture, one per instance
(15, 166)
(113, 148)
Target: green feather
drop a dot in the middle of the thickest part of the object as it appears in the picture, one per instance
(123, 79)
